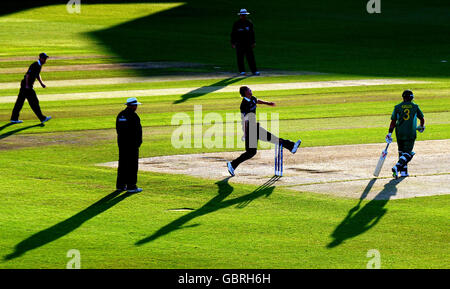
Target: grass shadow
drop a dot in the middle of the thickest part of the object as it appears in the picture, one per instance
(63, 228)
(9, 133)
(213, 205)
(6, 125)
(208, 89)
(360, 220)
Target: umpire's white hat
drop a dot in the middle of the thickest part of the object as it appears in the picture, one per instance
(243, 12)
(132, 101)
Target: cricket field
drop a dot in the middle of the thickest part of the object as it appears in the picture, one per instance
(334, 71)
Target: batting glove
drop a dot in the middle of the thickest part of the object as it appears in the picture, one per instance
(389, 138)
(421, 128)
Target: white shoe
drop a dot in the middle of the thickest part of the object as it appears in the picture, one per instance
(137, 190)
(404, 174)
(230, 169)
(46, 119)
(296, 145)
(16, 121)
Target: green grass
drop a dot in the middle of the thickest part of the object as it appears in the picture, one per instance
(54, 197)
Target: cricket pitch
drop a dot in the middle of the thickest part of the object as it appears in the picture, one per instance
(344, 171)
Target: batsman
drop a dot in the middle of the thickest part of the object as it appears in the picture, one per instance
(404, 121)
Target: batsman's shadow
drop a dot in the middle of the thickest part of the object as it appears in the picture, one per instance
(65, 227)
(360, 220)
(213, 205)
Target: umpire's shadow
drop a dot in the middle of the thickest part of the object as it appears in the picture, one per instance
(65, 227)
(208, 89)
(11, 132)
(360, 220)
(213, 205)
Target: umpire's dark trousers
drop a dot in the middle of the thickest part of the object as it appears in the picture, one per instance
(128, 167)
(30, 94)
(245, 51)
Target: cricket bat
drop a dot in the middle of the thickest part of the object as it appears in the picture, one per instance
(381, 161)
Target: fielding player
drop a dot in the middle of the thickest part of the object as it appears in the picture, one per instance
(253, 132)
(404, 120)
(27, 91)
(243, 40)
(129, 139)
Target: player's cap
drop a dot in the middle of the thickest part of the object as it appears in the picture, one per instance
(43, 55)
(408, 94)
(132, 101)
(243, 12)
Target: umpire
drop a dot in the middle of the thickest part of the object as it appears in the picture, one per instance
(27, 91)
(243, 40)
(129, 139)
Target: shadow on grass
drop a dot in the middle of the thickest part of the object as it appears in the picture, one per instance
(213, 205)
(65, 227)
(359, 220)
(11, 132)
(208, 89)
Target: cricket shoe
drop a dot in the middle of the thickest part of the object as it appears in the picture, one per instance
(242, 73)
(137, 190)
(230, 169)
(395, 172)
(257, 73)
(16, 121)
(404, 174)
(296, 145)
(46, 119)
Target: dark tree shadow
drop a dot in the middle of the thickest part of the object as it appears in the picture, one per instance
(208, 89)
(179, 34)
(213, 205)
(359, 220)
(11, 132)
(65, 227)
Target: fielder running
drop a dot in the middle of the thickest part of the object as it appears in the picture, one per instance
(253, 132)
(404, 120)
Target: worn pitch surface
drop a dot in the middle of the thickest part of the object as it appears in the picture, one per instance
(345, 171)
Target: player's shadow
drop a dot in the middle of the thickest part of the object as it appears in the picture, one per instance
(208, 89)
(65, 227)
(213, 205)
(11, 132)
(359, 220)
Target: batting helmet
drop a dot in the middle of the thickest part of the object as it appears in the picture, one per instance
(408, 95)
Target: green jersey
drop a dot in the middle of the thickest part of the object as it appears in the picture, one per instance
(405, 114)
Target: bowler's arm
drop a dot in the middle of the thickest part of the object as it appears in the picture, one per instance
(265, 102)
